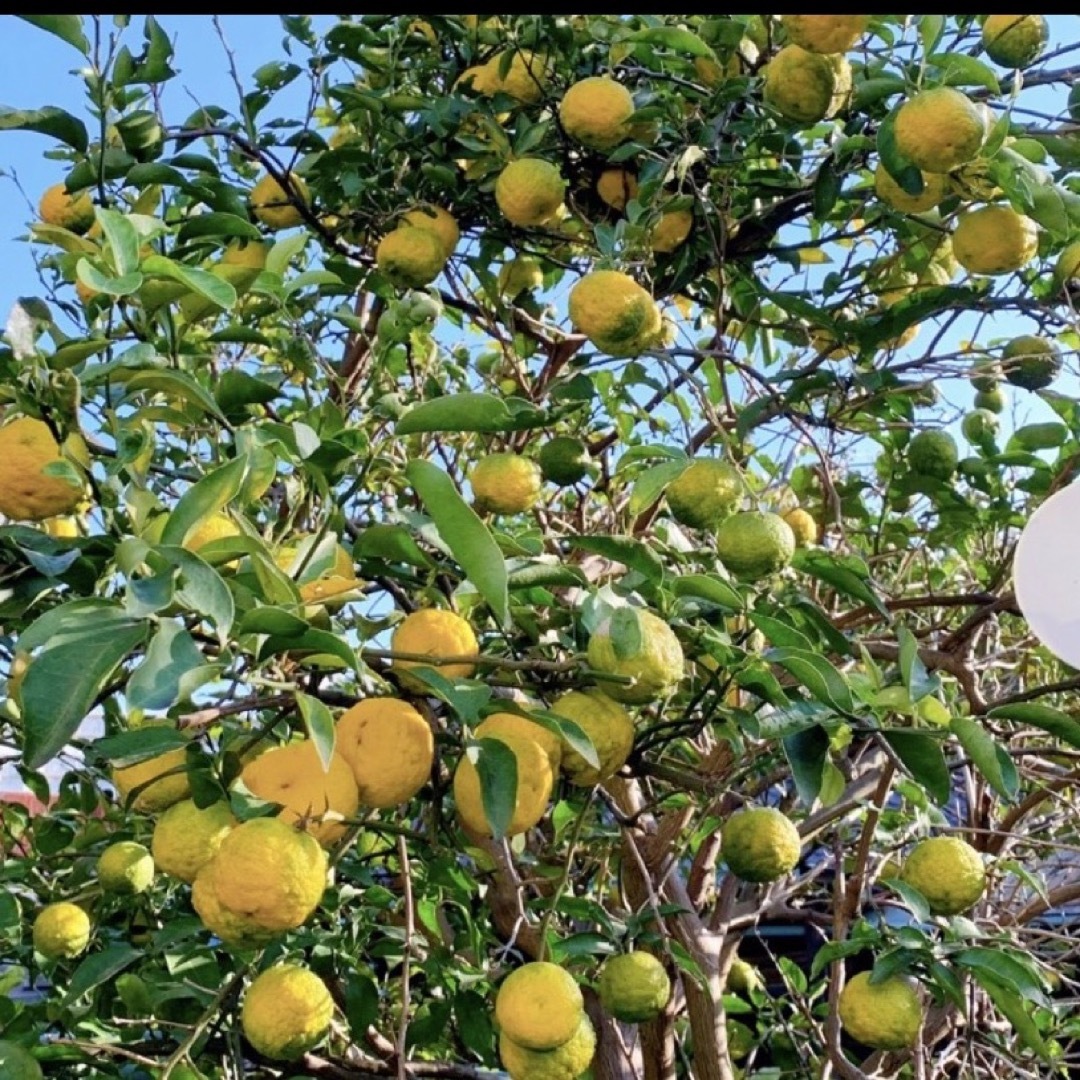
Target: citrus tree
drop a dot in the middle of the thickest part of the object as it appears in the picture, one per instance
(523, 546)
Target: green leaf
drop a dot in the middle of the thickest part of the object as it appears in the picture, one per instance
(468, 412)
(496, 767)
(275, 621)
(989, 758)
(312, 642)
(99, 968)
(632, 553)
(624, 631)
(175, 384)
(900, 168)
(911, 896)
(1045, 436)
(319, 722)
(917, 679)
(573, 735)
(781, 633)
(1053, 721)
(172, 668)
(650, 485)
(217, 224)
(201, 588)
(959, 69)
(205, 497)
(100, 282)
(63, 682)
(66, 27)
(1006, 969)
(140, 744)
(467, 537)
(213, 288)
(674, 38)
(931, 27)
(923, 758)
(122, 239)
(711, 588)
(48, 121)
(846, 574)
(1012, 1007)
(813, 671)
(392, 543)
(466, 699)
(807, 753)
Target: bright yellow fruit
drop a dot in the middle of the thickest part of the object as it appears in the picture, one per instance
(705, 493)
(948, 871)
(525, 79)
(882, 1017)
(217, 526)
(529, 191)
(186, 838)
(437, 220)
(535, 780)
(294, 776)
(656, 667)
(480, 78)
(806, 87)
(615, 313)
(272, 206)
(803, 525)
(164, 786)
(250, 254)
(539, 1006)
(510, 723)
(411, 257)
(616, 187)
(608, 726)
(125, 868)
(435, 633)
(633, 987)
(760, 844)
(236, 931)
(27, 492)
(506, 483)
(1015, 41)
(569, 1061)
(595, 112)
(935, 187)
(287, 1011)
(269, 874)
(61, 931)
(389, 747)
(62, 528)
(825, 33)
(753, 544)
(72, 212)
(939, 129)
(671, 231)
(995, 240)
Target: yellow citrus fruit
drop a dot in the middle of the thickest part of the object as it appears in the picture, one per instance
(994, 240)
(595, 112)
(615, 313)
(287, 1011)
(523, 274)
(269, 874)
(939, 129)
(72, 212)
(27, 492)
(654, 662)
(760, 844)
(753, 544)
(948, 871)
(933, 453)
(435, 633)
(803, 525)
(503, 723)
(273, 207)
(1067, 267)
(743, 978)
(164, 786)
(506, 483)
(389, 747)
(529, 191)
(186, 838)
(671, 231)
(437, 220)
(935, 187)
(250, 254)
(539, 1005)
(217, 526)
(125, 868)
(410, 256)
(608, 726)
(480, 78)
(1015, 41)
(616, 187)
(17, 1063)
(633, 987)
(825, 33)
(569, 1061)
(62, 528)
(525, 79)
(1030, 362)
(886, 1016)
(705, 493)
(295, 777)
(235, 930)
(318, 582)
(535, 780)
(61, 931)
(806, 87)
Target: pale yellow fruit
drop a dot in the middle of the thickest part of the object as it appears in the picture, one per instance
(803, 525)
(186, 838)
(568, 1061)
(480, 79)
(886, 1016)
(1015, 41)
(939, 129)
(609, 728)
(72, 212)
(671, 231)
(760, 844)
(825, 33)
(217, 526)
(935, 187)
(539, 1005)
(269, 874)
(535, 780)
(410, 256)
(995, 240)
(250, 254)
(806, 87)
(615, 313)
(62, 528)
(437, 220)
(529, 192)
(235, 930)
(27, 492)
(616, 187)
(655, 667)
(525, 79)
(523, 274)
(61, 931)
(595, 112)
(308, 792)
(948, 871)
(273, 207)
(512, 723)
(125, 868)
(335, 582)
(633, 987)
(165, 777)
(287, 1011)
(506, 483)
(705, 493)
(435, 633)
(389, 747)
